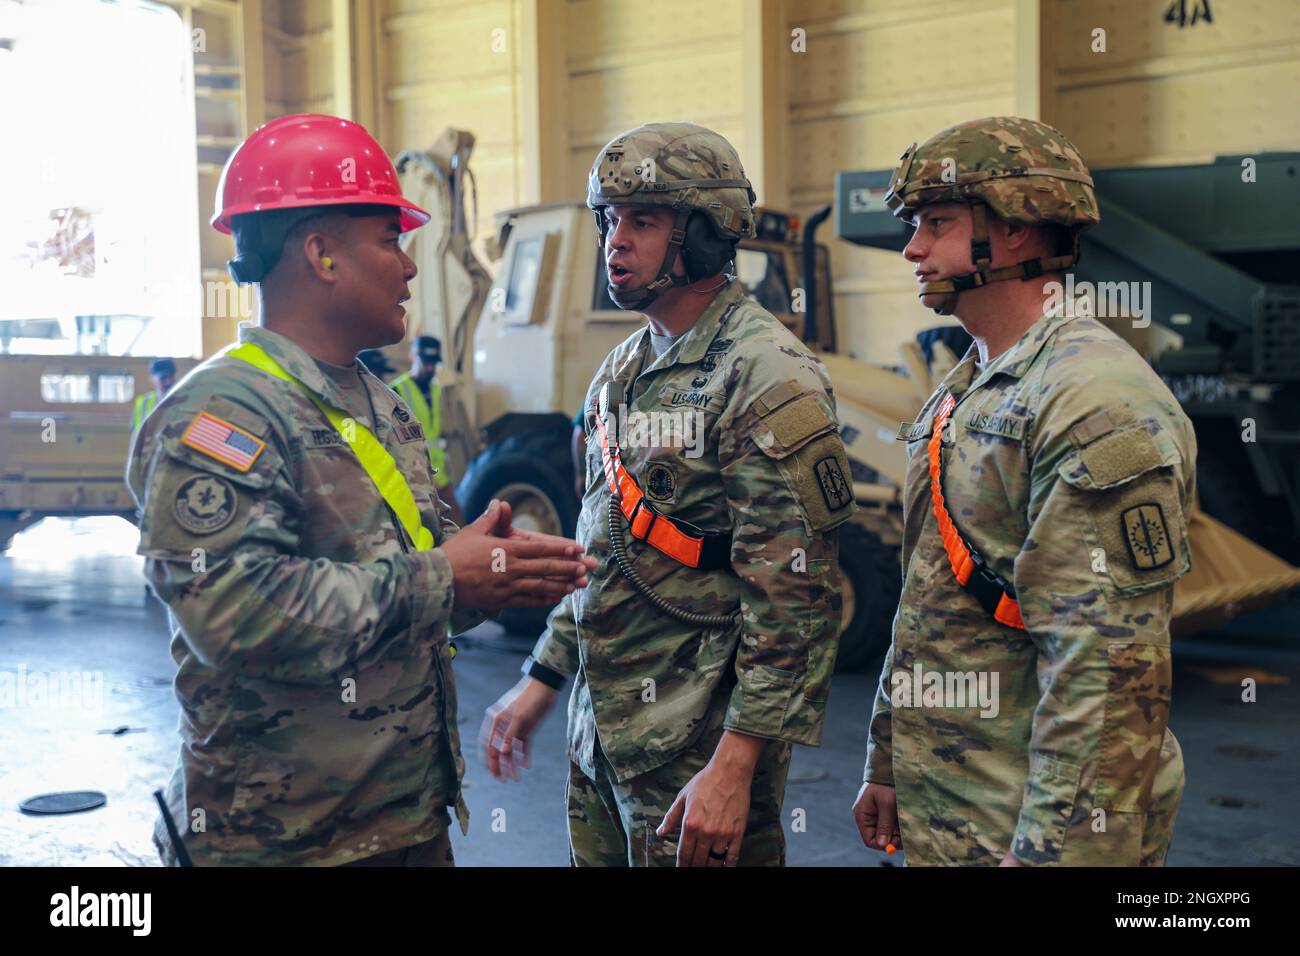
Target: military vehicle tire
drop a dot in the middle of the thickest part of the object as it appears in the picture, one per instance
(871, 581)
(534, 472)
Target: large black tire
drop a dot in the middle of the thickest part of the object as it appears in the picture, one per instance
(533, 471)
(869, 571)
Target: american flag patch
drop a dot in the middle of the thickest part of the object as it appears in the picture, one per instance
(223, 441)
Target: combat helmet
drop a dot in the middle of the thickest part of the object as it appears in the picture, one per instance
(689, 169)
(1021, 169)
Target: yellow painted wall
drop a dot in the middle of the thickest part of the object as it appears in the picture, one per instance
(455, 64)
(273, 37)
(299, 34)
(876, 76)
(862, 90)
(631, 63)
(1162, 94)
(460, 63)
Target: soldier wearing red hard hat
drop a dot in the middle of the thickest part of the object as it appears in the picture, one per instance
(290, 522)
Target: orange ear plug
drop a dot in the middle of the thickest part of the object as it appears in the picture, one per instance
(891, 849)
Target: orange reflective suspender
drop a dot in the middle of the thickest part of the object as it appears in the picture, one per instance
(994, 593)
(704, 551)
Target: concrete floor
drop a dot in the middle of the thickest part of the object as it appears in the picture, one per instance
(72, 600)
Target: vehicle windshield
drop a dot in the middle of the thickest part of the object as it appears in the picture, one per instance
(764, 275)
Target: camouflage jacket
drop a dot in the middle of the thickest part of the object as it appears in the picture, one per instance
(1069, 467)
(318, 712)
(767, 430)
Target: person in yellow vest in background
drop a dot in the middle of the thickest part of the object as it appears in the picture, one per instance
(163, 373)
(423, 396)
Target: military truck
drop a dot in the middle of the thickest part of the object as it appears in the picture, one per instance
(65, 430)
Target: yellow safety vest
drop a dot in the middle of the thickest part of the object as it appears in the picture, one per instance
(429, 415)
(144, 404)
(372, 455)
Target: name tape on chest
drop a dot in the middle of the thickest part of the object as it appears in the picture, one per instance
(1008, 426)
(911, 431)
(692, 398)
(322, 438)
(226, 442)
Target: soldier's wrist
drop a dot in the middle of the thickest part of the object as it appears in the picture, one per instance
(738, 752)
(433, 585)
(540, 672)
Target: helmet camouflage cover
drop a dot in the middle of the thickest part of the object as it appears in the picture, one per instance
(1023, 170)
(678, 165)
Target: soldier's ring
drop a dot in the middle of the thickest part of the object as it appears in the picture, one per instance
(714, 855)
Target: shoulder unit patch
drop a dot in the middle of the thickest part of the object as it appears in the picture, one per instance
(835, 487)
(1147, 536)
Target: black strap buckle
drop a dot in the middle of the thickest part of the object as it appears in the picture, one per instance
(985, 585)
(966, 281)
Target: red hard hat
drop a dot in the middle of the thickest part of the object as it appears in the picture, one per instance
(310, 159)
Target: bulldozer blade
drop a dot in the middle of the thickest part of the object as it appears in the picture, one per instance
(1230, 576)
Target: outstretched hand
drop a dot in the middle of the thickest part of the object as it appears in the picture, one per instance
(495, 565)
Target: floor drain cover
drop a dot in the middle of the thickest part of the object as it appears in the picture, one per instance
(70, 801)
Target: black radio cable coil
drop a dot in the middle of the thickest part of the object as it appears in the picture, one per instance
(616, 544)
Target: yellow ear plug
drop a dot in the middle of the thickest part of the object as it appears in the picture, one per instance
(327, 262)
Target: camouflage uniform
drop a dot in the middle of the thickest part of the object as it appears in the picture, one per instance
(768, 417)
(612, 822)
(1069, 467)
(318, 711)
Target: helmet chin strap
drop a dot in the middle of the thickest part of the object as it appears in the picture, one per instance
(981, 254)
(635, 300)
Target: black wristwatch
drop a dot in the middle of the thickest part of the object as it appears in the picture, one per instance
(535, 669)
